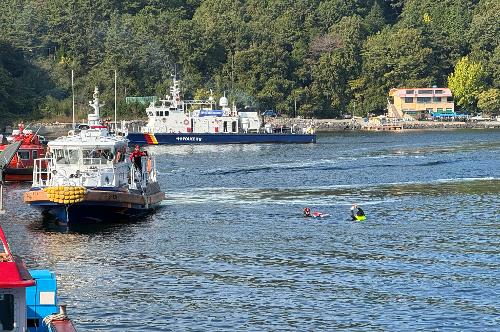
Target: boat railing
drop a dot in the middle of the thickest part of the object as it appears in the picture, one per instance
(42, 172)
(140, 178)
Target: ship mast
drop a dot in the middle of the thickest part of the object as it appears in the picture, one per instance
(94, 118)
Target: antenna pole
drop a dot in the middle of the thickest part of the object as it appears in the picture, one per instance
(73, 96)
(116, 125)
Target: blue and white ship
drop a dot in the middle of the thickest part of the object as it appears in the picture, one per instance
(177, 121)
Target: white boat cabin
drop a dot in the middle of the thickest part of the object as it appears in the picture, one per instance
(92, 157)
(174, 115)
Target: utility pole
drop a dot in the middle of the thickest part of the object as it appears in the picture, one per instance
(295, 108)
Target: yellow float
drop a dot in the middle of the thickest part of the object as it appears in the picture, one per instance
(65, 194)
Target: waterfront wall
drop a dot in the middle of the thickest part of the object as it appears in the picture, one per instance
(326, 125)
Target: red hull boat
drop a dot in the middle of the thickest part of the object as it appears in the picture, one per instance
(21, 166)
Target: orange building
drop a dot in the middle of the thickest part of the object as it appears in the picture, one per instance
(419, 103)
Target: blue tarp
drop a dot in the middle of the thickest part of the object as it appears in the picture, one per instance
(445, 115)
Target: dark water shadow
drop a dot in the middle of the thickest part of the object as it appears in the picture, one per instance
(50, 224)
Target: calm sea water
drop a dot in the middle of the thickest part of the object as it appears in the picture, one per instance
(229, 249)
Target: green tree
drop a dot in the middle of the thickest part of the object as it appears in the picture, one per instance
(489, 102)
(395, 57)
(466, 82)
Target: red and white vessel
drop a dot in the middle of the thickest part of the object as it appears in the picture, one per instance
(21, 166)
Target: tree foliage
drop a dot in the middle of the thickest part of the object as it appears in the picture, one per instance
(489, 101)
(326, 56)
(466, 82)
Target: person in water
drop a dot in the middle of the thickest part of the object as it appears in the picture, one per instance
(357, 213)
(136, 156)
(315, 214)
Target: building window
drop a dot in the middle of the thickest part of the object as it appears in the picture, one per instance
(425, 92)
(408, 100)
(440, 110)
(410, 92)
(449, 99)
(437, 99)
(422, 100)
(449, 110)
(429, 110)
(438, 92)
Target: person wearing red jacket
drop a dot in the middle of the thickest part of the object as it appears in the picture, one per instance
(136, 156)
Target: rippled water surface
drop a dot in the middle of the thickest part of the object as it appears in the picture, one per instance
(229, 249)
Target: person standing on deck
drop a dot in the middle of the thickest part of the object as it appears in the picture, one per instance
(136, 157)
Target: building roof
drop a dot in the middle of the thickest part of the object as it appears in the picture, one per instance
(401, 92)
(13, 272)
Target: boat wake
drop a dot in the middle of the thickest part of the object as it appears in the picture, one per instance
(337, 195)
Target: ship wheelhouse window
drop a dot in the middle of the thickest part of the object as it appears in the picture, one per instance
(7, 312)
(23, 154)
(97, 156)
(66, 156)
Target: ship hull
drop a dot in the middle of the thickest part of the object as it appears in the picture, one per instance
(218, 138)
(97, 206)
(18, 174)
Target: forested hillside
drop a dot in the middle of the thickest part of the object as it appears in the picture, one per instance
(330, 56)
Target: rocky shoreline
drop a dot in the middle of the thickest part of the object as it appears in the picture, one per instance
(327, 125)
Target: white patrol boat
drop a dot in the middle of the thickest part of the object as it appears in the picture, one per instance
(89, 176)
(177, 121)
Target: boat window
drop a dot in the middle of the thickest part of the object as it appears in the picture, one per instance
(23, 154)
(35, 154)
(96, 156)
(7, 312)
(233, 127)
(66, 156)
(224, 126)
